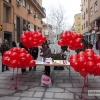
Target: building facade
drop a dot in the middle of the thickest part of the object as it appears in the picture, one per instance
(91, 19)
(95, 18)
(17, 16)
(77, 23)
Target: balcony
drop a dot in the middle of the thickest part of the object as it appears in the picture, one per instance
(39, 7)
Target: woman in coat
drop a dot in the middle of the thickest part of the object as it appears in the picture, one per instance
(46, 54)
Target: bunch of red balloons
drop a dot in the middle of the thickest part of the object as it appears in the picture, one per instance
(32, 39)
(18, 58)
(87, 62)
(71, 39)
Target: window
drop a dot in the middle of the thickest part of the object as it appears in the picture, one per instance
(78, 24)
(86, 23)
(28, 6)
(82, 27)
(91, 11)
(78, 17)
(96, 6)
(6, 14)
(84, 15)
(78, 30)
(86, 10)
(24, 3)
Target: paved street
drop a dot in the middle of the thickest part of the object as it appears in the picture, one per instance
(62, 88)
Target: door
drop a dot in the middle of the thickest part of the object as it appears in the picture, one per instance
(8, 36)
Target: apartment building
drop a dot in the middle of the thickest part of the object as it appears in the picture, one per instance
(17, 16)
(77, 23)
(95, 18)
(85, 5)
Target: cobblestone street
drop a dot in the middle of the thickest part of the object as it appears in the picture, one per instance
(62, 88)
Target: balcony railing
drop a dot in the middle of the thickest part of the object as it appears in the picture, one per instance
(41, 8)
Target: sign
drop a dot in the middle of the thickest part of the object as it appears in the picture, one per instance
(0, 27)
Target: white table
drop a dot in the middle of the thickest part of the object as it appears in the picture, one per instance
(63, 63)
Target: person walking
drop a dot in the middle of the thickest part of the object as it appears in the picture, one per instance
(4, 47)
(34, 52)
(46, 54)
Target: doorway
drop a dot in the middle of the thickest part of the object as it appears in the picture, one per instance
(8, 36)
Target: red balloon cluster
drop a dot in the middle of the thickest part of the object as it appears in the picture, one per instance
(71, 39)
(32, 39)
(18, 58)
(86, 62)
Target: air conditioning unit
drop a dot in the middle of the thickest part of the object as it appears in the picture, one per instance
(35, 15)
(7, 0)
(19, 3)
(30, 11)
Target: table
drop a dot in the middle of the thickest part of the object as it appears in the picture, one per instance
(63, 63)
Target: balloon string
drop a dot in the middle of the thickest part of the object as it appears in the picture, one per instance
(13, 73)
(83, 85)
(16, 77)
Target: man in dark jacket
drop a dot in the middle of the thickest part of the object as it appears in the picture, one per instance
(34, 52)
(4, 47)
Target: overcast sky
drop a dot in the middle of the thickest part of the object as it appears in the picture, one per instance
(72, 7)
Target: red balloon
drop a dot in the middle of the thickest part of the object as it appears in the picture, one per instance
(14, 56)
(74, 63)
(79, 35)
(89, 50)
(78, 41)
(72, 47)
(81, 54)
(6, 60)
(96, 58)
(31, 63)
(83, 73)
(43, 38)
(61, 43)
(22, 37)
(14, 64)
(81, 62)
(97, 67)
(81, 46)
(63, 36)
(74, 56)
(26, 33)
(90, 66)
(76, 69)
(7, 53)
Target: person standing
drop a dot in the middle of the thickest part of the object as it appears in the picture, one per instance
(22, 46)
(4, 47)
(14, 44)
(90, 45)
(46, 54)
(34, 52)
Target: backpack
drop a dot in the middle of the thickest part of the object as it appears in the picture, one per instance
(98, 45)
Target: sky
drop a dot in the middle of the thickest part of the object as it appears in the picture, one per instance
(72, 7)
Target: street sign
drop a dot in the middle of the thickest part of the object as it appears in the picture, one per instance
(0, 27)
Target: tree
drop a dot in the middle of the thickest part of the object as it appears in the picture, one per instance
(57, 17)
